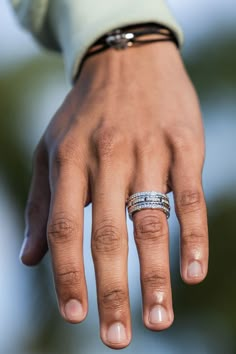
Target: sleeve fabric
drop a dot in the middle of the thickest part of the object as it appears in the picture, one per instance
(72, 26)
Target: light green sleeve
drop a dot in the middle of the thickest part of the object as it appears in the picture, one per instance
(72, 26)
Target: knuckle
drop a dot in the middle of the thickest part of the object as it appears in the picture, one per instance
(189, 201)
(106, 140)
(114, 298)
(35, 215)
(60, 155)
(150, 229)
(151, 144)
(67, 152)
(193, 237)
(68, 276)
(106, 238)
(155, 279)
(61, 229)
(32, 209)
(183, 140)
(189, 145)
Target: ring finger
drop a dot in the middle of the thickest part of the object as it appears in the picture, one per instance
(152, 240)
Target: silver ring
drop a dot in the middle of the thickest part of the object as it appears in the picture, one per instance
(148, 200)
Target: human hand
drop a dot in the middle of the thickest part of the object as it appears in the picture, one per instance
(131, 123)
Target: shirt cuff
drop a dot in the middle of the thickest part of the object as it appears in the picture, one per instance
(76, 25)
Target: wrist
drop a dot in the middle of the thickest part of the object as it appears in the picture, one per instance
(130, 36)
(115, 65)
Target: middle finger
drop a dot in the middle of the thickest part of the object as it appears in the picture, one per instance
(110, 248)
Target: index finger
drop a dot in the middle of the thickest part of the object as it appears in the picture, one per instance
(65, 239)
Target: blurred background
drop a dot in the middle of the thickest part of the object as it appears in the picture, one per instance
(32, 86)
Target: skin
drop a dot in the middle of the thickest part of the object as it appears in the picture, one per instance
(130, 123)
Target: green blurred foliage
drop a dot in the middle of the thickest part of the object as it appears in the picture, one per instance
(212, 67)
(28, 77)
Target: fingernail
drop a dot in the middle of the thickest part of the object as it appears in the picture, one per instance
(74, 310)
(194, 269)
(116, 333)
(23, 247)
(158, 314)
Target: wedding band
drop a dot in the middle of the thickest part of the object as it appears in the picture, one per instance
(148, 200)
(148, 197)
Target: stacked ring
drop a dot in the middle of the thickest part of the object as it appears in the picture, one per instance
(148, 200)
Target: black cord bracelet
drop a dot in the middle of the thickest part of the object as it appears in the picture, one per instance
(129, 36)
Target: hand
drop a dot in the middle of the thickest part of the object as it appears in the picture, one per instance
(131, 123)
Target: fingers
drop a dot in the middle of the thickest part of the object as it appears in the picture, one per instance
(109, 249)
(65, 238)
(192, 214)
(35, 243)
(151, 237)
